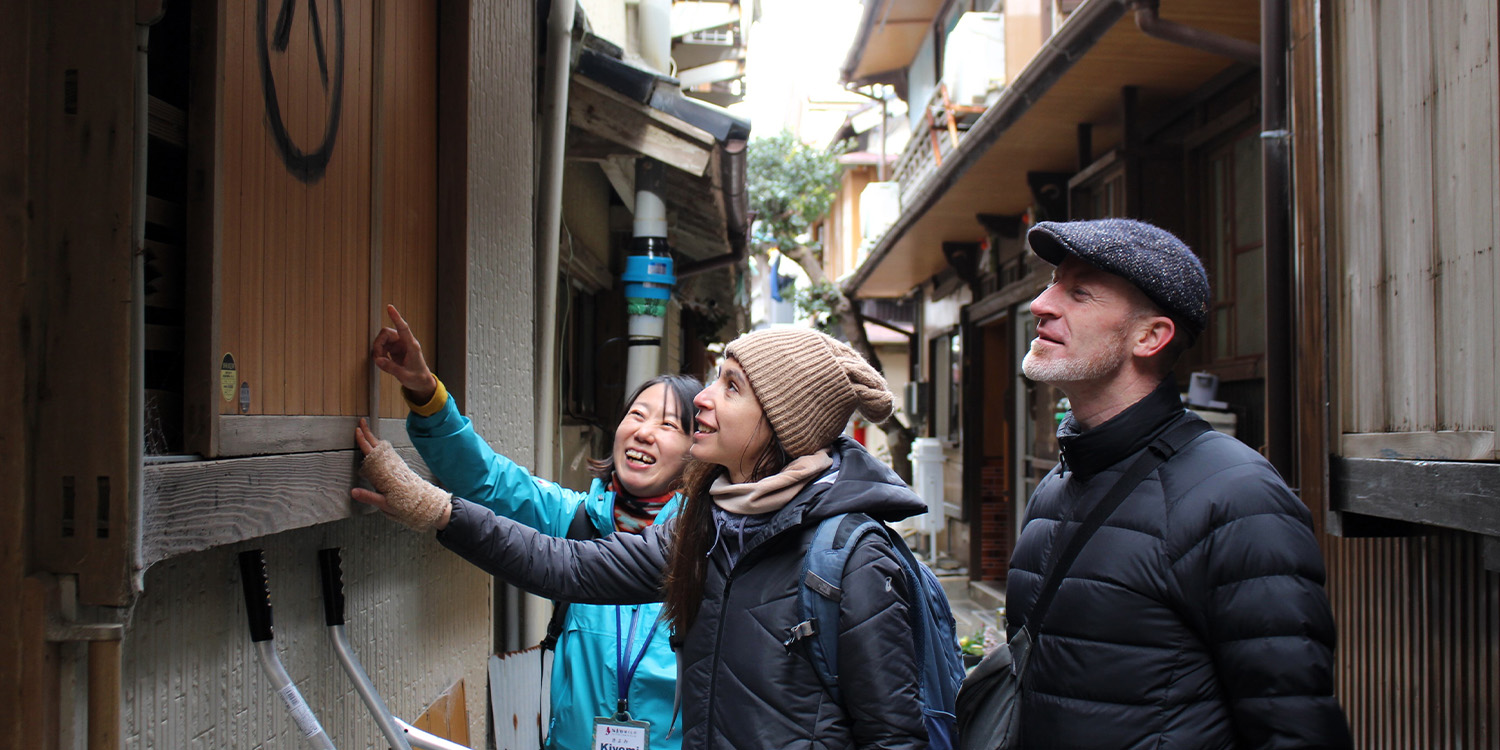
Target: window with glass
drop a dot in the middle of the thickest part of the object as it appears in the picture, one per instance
(1234, 250)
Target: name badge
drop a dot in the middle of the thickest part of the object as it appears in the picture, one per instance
(610, 734)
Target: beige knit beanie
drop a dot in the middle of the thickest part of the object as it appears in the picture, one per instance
(809, 384)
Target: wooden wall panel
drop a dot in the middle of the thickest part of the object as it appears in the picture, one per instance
(1414, 185)
(1464, 162)
(354, 229)
(409, 177)
(298, 233)
(1405, 81)
(1357, 243)
(1419, 641)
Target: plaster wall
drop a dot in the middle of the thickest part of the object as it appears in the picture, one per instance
(417, 616)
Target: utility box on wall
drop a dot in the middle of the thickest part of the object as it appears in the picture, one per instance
(974, 57)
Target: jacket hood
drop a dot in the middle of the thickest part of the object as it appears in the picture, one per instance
(857, 483)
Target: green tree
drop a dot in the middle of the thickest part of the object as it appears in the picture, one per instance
(791, 186)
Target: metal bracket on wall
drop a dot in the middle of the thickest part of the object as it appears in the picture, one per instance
(65, 623)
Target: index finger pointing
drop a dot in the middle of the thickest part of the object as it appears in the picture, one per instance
(401, 326)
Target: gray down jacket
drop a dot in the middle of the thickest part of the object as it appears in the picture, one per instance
(740, 687)
(1194, 619)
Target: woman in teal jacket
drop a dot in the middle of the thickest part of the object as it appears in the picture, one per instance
(602, 648)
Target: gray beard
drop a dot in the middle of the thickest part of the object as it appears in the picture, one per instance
(1057, 372)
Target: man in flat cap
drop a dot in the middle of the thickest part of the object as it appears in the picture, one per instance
(1195, 614)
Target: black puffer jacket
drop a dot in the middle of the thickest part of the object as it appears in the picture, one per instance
(1195, 618)
(741, 688)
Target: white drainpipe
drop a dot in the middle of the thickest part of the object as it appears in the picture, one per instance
(648, 277)
(655, 18)
(549, 210)
(554, 133)
(648, 271)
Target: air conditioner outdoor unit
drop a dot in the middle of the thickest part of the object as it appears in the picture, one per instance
(879, 205)
(974, 57)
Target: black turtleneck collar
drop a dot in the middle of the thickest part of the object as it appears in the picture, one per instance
(1088, 453)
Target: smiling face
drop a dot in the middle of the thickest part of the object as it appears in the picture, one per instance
(1086, 319)
(651, 443)
(732, 430)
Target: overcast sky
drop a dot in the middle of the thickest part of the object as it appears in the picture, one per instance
(796, 50)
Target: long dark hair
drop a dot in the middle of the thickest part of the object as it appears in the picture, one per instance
(682, 389)
(687, 568)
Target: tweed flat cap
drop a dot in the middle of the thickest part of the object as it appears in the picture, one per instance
(1149, 257)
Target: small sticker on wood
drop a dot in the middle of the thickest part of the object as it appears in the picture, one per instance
(228, 376)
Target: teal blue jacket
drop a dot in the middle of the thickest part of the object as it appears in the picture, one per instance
(585, 666)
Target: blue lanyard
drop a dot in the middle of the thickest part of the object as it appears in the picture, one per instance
(624, 645)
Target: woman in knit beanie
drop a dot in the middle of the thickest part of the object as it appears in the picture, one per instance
(769, 465)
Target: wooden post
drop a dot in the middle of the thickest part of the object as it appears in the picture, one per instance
(104, 695)
(81, 281)
(27, 674)
(202, 387)
(1309, 263)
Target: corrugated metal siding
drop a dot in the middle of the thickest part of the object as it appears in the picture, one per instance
(1419, 641)
(418, 617)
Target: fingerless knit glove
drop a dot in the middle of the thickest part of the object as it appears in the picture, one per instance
(410, 499)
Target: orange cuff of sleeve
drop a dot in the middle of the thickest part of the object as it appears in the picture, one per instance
(434, 405)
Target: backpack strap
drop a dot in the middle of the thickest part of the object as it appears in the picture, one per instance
(581, 527)
(1157, 453)
(821, 590)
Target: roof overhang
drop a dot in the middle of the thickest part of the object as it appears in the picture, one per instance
(1075, 78)
(890, 33)
(618, 112)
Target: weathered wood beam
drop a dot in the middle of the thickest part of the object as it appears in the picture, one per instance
(593, 108)
(261, 435)
(586, 146)
(190, 507)
(1441, 445)
(1451, 494)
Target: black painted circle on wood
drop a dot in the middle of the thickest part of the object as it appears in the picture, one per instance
(307, 166)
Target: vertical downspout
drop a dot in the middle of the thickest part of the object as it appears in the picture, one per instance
(648, 271)
(137, 407)
(549, 229)
(648, 277)
(655, 23)
(1276, 140)
(554, 133)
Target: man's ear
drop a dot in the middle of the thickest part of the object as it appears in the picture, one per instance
(1153, 335)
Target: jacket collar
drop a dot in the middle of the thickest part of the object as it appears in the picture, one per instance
(1087, 453)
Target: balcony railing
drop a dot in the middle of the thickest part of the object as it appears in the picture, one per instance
(944, 129)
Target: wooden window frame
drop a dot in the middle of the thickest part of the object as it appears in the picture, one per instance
(1220, 144)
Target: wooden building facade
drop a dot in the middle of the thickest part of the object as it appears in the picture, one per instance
(1348, 224)
(206, 205)
(1396, 127)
